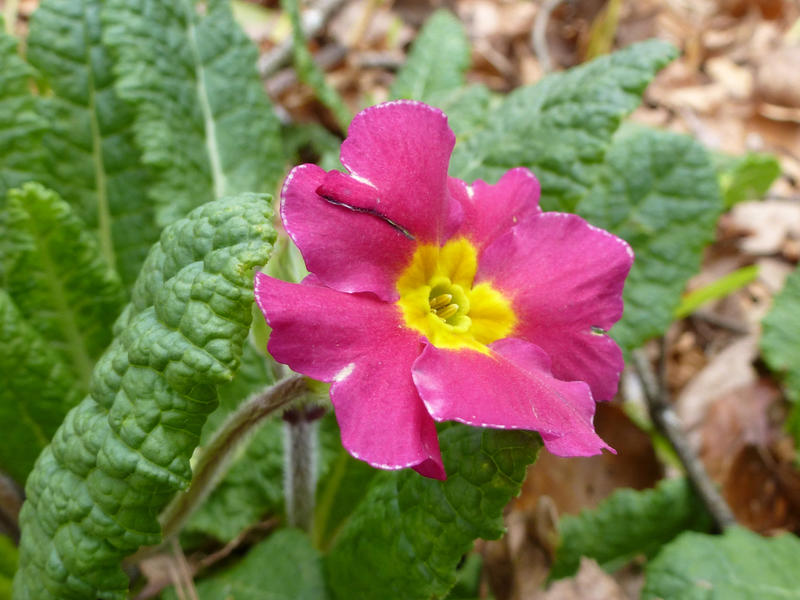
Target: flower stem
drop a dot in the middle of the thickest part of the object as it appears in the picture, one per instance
(223, 444)
(300, 464)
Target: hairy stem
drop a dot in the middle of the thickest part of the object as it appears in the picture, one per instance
(664, 417)
(300, 464)
(222, 446)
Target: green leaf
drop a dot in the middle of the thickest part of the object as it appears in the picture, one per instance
(746, 177)
(467, 109)
(309, 72)
(52, 268)
(407, 536)
(717, 289)
(780, 334)
(339, 494)
(8, 556)
(561, 126)
(437, 60)
(96, 491)
(91, 157)
(253, 486)
(283, 567)
(739, 565)
(203, 120)
(659, 192)
(38, 389)
(8, 563)
(628, 523)
(21, 126)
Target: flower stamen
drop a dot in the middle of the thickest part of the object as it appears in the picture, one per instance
(446, 312)
(440, 301)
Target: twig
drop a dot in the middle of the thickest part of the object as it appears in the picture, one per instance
(10, 503)
(667, 421)
(225, 551)
(722, 321)
(184, 571)
(314, 19)
(539, 34)
(222, 446)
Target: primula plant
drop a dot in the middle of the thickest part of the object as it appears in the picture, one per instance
(456, 282)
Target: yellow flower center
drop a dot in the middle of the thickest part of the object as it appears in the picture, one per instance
(438, 299)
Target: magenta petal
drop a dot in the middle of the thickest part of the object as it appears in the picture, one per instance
(348, 251)
(403, 149)
(564, 278)
(510, 389)
(491, 210)
(359, 344)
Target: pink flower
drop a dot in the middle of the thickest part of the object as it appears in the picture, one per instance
(432, 300)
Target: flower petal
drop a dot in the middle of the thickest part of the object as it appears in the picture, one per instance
(359, 344)
(348, 251)
(402, 149)
(564, 278)
(491, 210)
(510, 389)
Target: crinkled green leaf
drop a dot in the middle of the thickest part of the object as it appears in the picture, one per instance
(739, 565)
(407, 536)
(746, 177)
(780, 335)
(467, 109)
(252, 488)
(437, 60)
(21, 126)
(203, 120)
(283, 567)
(53, 269)
(91, 157)
(561, 126)
(38, 389)
(628, 523)
(95, 493)
(658, 191)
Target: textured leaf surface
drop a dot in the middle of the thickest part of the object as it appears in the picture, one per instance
(253, 486)
(38, 389)
(283, 567)
(627, 524)
(659, 192)
(561, 126)
(91, 157)
(423, 527)
(21, 126)
(53, 269)
(96, 491)
(203, 120)
(437, 60)
(739, 565)
(780, 335)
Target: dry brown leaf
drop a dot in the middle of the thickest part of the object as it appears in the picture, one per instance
(590, 583)
(778, 77)
(768, 223)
